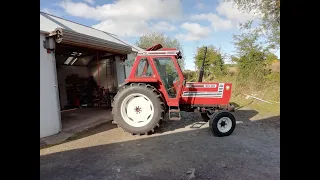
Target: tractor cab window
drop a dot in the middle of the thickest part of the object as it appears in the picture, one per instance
(144, 69)
(168, 74)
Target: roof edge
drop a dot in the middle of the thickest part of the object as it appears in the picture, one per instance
(110, 34)
(76, 23)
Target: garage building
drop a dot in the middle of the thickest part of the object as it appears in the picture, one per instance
(81, 69)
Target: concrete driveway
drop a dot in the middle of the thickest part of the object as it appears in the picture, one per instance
(251, 152)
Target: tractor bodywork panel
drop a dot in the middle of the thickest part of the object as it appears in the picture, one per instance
(206, 94)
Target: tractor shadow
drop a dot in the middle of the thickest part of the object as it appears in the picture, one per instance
(191, 120)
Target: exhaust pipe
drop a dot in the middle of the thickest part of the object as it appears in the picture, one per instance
(202, 66)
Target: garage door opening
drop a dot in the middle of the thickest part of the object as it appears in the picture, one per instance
(87, 83)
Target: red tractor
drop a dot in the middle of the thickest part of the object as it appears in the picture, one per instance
(156, 86)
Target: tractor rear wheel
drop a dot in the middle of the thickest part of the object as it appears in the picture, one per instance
(222, 123)
(138, 108)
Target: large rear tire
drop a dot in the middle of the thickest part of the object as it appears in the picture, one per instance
(138, 108)
(222, 124)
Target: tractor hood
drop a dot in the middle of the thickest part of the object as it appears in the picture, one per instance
(206, 93)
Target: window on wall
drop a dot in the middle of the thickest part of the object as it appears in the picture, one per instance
(144, 69)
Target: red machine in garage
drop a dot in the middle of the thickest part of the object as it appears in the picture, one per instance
(156, 86)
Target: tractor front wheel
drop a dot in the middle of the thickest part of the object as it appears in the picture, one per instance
(222, 123)
(138, 108)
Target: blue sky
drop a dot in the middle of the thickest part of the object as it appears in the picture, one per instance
(193, 22)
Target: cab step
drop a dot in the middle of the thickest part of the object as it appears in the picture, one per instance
(174, 113)
(175, 118)
(175, 110)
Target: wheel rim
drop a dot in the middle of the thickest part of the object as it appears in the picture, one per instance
(224, 124)
(137, 110)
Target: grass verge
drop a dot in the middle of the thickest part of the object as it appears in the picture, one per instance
(268, 91)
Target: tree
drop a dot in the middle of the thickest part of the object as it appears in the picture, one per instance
(251, 56)
(234, 58)
(213, 64)
(269, 13)
(151, 39)
(191, 76)
(271, 58)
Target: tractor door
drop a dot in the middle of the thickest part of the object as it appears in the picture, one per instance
(142, 71)
(171, 78)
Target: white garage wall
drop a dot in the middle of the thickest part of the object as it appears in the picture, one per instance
(49, 99)
(63, 72)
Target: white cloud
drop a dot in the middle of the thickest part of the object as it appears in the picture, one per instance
(80, 10)
(89, 1)
(46, 10)
(227, 17)
(127, 17)
(230, 11)
(123, 28)
(199, 4)
(195, 32)
(163, 26)
(51, 11)
(133, 28)
(217, 22)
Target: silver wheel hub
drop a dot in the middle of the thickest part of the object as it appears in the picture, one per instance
(224, 124)
(137, 110)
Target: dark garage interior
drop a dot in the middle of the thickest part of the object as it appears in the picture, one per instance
(87, 83)
(86, 75)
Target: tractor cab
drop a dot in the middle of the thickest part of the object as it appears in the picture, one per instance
(160, 66)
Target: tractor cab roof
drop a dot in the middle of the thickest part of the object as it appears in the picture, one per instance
(158, 50)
